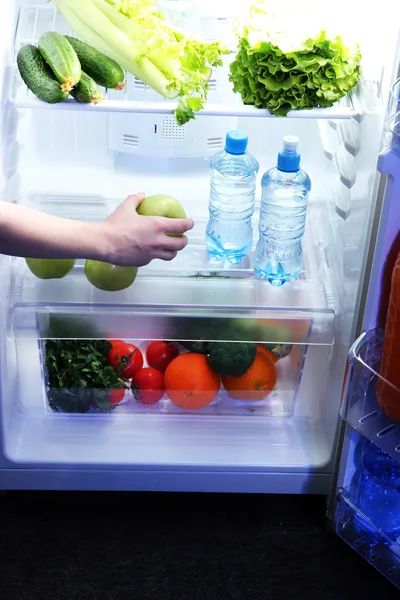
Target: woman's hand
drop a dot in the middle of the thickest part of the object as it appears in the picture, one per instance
(124, 238)
(129, 239)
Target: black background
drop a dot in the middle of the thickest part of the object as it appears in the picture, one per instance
(117, 546)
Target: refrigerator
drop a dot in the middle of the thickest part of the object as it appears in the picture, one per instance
(80, 161)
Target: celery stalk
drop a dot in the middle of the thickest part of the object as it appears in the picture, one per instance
(136, 35)
(124, 24)
(143, 69)
(89, 12)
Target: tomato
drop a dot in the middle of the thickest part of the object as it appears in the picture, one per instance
(116, 342)
(160, 354)
(126, 359)
(148, 386)
(115, 396)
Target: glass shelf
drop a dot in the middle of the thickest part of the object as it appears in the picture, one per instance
(176, 300)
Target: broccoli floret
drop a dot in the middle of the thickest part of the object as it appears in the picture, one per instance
(199, 347)
(232, 358)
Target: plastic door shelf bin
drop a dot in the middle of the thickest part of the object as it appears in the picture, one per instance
(367, 512)
(360, 407)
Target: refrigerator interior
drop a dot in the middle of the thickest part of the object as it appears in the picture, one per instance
(80, 162)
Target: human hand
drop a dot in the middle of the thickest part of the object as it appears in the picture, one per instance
(130, 239)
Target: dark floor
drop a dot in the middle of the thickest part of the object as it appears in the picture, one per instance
(56, 546)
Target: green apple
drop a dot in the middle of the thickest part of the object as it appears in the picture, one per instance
(162, 205)
(109, 278)
(50, 268)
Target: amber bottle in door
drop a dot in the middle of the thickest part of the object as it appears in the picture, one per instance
(387, 389)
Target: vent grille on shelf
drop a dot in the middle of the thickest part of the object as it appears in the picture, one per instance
(216, 142)
(171, 130)
(212, 85)
(130, 140)
(138, 83)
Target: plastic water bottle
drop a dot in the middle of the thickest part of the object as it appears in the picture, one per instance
(285, 190)
(379, 489)
(234, 171)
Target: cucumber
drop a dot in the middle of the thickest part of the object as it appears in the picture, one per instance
(87, 90)
(61, 58)
(38, 76)
(104, 70)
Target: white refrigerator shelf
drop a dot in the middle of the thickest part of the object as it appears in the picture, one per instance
(188, 295)
(40, 16)
(24, 99)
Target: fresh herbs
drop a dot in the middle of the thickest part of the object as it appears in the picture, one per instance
(79, 376)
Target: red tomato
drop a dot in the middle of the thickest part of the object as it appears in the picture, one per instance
(160, 354)
(125, 359)
(116, 395)
(115, 342)
(148, 386)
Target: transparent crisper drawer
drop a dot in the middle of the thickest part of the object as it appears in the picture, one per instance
(285, 432)
(280, 379)
(282, 373)
(180, 309)
(360, 406)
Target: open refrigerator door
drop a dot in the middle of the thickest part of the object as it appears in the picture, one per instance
(367, 501)
(79, 161)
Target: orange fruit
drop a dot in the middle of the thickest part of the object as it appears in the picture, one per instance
(256, 384)
(189, 381)
(267, 353)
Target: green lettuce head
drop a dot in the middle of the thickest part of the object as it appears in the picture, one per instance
(281, 68)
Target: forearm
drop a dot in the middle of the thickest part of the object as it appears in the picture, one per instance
(33, 234)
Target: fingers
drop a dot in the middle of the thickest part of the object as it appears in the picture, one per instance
(135, 199)
(174, 243)
(175, 225)
(167, 254)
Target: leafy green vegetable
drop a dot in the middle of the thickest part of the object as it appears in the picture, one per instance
(281, 67)
(66, 327)
(137, 36)
(232, 358)
(78, 375)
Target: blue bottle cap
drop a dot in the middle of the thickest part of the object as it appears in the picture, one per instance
(236, 142)
(289, 158)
